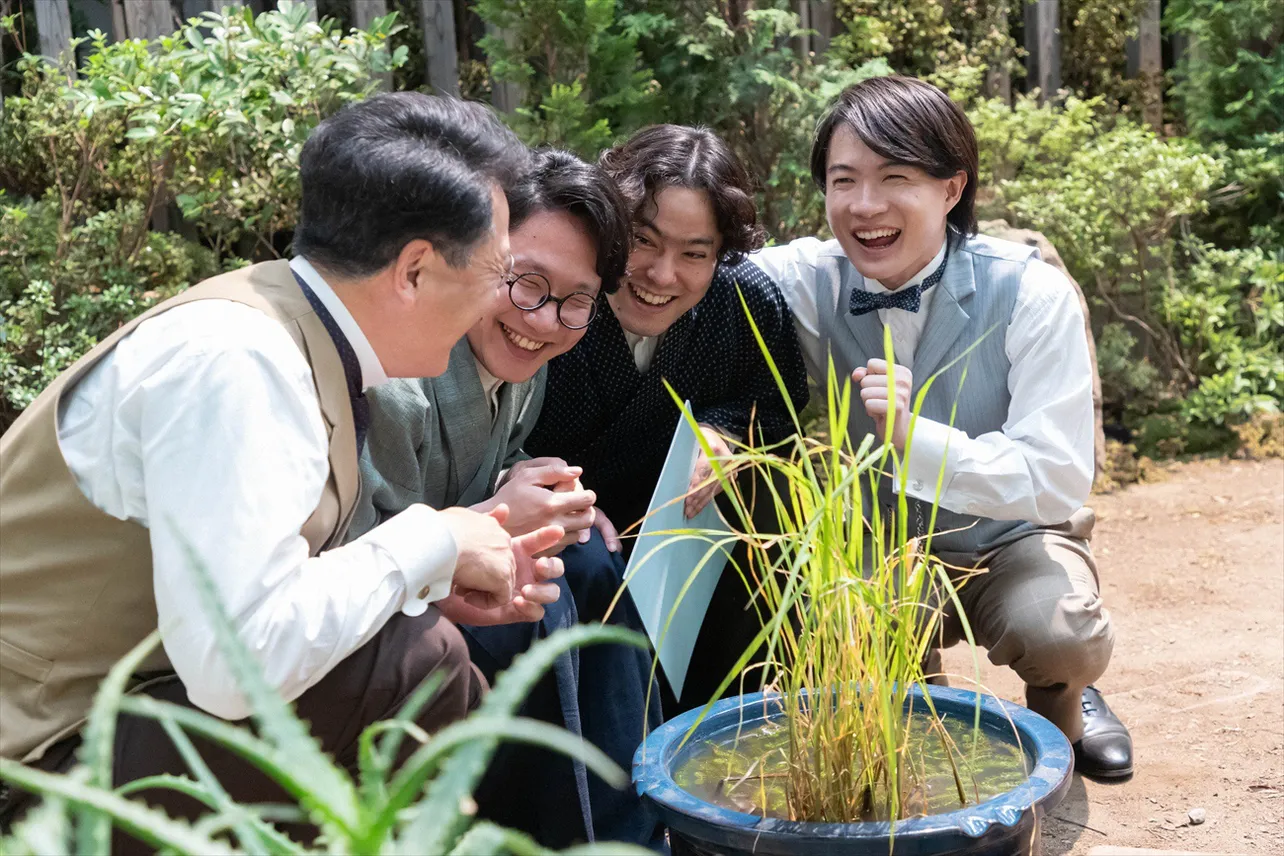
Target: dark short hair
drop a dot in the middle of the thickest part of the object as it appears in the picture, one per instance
(559, 181)
(399, 167)
(907, 121)
(695, 158)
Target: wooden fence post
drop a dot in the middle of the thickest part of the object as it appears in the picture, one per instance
(364, 13)
(147, 19)
(1043, 45)
(438, 20)
(506, 97)
(998, 77)
(1145, 61)
(53, 25)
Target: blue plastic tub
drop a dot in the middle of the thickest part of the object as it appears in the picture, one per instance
(1005, 824)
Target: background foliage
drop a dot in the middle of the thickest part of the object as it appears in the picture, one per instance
(1175, 234)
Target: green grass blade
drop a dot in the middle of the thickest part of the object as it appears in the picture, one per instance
(152, 826)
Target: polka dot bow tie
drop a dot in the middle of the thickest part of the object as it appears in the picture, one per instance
(909, 299)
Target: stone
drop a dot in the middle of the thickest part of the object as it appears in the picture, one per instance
(1196, 816)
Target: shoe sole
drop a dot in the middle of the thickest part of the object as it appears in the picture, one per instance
(1113, 774)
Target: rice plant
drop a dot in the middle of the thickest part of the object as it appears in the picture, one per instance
(425, 806)
(851, 600)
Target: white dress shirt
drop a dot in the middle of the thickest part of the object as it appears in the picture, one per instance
(491, 385)
(203, 425)
(1039, 467)
(643, 348)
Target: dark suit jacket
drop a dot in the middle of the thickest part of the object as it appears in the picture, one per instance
(601, 413)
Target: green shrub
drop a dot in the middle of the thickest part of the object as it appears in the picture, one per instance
(1189, 344)
(66, 285)
(423, 807)
(1230, 82)
(576, 69)
(212, 117)
(1228, 310)
(743, 77)
(1111, 209)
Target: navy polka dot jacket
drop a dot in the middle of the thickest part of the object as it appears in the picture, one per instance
(601, 413)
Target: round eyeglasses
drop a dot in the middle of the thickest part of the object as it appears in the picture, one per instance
(530, 291)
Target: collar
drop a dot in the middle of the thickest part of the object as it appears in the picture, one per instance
(876, 287)
(490, 385)
(372, 373)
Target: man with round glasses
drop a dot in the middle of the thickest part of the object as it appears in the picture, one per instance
(456, 440)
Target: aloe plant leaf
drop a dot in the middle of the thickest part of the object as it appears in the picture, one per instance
(149, 824)
(98, 746)
(46, 828)
(409, 781)
(266, 758)
(329, 788)
(374, 764)
(439, 820)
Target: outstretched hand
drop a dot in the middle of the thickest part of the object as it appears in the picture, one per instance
(704, 484)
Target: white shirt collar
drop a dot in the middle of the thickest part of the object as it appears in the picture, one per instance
(490, 386)
(372, 373)
(876, 287)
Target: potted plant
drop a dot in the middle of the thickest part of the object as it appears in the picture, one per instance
(850, 749)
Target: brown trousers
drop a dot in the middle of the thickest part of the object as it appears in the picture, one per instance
(1037, 609)
(370, 685)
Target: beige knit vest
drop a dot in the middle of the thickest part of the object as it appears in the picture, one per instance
(76, 583)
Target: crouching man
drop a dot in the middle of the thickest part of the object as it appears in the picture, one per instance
(229, 420)
(897, 161)
(457, 439)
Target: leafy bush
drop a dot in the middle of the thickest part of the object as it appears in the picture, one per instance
(744, 79)
(423, 807)
(68, 279)
(575, 66)
(1189, 346)
(1111, 210)
(1230, 83)
(212, 117)
(1228, 311)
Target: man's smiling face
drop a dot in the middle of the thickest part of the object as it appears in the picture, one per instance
(513, 343)
(675, 252)
(889, 218)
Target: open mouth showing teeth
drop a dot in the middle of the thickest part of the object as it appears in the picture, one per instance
(876, 239)
(650, 298)
(521, 341)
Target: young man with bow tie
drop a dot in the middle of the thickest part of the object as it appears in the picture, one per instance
(897, 162)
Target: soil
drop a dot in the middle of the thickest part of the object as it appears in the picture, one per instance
(1192, 569)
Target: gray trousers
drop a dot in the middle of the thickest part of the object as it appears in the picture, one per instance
(1035, 606)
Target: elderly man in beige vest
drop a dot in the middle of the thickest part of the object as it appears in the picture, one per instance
(230, 419)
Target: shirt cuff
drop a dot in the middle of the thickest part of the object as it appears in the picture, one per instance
(926, 452)
(422, 547)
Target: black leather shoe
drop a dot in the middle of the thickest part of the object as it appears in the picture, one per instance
(1105, 750)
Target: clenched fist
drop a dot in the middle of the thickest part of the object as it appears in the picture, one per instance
(883, 401)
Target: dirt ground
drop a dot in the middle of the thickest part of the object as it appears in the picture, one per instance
(1193, 573)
